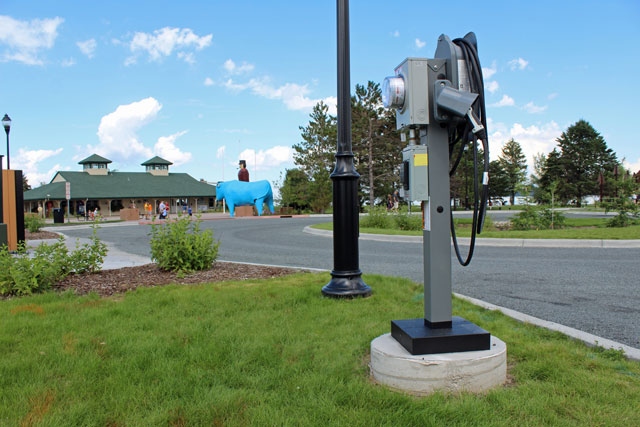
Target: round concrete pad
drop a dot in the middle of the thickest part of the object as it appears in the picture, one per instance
(423, 374)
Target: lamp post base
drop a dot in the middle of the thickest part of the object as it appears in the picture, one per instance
(347, 284)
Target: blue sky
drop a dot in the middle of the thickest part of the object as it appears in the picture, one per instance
(206, 83)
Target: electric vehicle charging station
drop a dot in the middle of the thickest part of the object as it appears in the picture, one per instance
(439, 102)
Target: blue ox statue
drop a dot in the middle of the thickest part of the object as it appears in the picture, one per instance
(239, 193)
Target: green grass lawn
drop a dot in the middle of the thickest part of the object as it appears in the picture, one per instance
(585, 228)
(275, 352)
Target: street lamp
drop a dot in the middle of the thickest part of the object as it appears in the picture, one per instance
(346, 277)
(6, 122)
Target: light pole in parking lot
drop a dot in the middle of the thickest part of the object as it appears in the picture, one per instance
(346, 277)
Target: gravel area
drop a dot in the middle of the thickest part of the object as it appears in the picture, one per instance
(110, 282)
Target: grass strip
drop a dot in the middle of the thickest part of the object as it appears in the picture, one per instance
(275, 352)
(602, 233)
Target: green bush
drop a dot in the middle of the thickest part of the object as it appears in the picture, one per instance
(537, 218)
(182, 246)
(89, 257)
(377, 218)
(33, 223)
(407, 222)
(623, 219)
(23, 273)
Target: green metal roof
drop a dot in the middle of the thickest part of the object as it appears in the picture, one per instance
(156, 161)
(122, 185)
(94, 158)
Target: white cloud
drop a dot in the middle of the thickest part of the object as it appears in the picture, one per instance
(208, 81)
(420, 44)
(396, 33)
(220, 152)
(165, 41)
(534, 109)
(118, 137)
(166, 148)
(491, 86)
(117, 130)
(518, 63)
(68, 62)
(234, 69)
(633, 167)
(506, 101)
(187, 57)
(487, 73)
(533, 139)
(88, 47)
(28, 161)
(267, 159)
(294, 96)
(552, 96)
(25, 39)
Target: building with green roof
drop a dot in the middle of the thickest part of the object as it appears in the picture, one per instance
(110, 191)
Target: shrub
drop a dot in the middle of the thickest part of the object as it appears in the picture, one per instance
(537, 218)
(89, 257)
(377, 218)
(623, 219)
(33, 223)
(23, 273)
(182, 246)
(408, 222)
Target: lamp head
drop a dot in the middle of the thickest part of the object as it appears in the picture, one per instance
(6, 122)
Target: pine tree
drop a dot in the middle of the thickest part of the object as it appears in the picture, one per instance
(375, 141)
(582, 156)
(315, 154)
(514, 164)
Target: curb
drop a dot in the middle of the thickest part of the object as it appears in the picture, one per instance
(521, 243)
(587, 338)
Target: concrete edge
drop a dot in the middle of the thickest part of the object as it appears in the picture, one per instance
(486, 241)
(317, 270)
(587, 338)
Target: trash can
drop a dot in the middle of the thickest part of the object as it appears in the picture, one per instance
(58, 216)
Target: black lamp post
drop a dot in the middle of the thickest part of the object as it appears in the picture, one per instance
(346, 277)
(6, 122)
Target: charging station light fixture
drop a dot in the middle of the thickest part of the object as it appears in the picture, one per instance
(393, 92)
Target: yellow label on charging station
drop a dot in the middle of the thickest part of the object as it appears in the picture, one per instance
(420, 159)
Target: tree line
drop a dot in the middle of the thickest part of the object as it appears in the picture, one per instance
(581, 165)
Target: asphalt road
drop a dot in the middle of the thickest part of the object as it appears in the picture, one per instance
(595, 290)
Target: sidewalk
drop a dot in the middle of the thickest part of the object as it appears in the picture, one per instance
(115, 257)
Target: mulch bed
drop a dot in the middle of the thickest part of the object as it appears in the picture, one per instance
(110, 282)
(40, 235)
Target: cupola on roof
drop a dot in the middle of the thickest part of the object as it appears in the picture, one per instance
(156, 161)
(94, 158)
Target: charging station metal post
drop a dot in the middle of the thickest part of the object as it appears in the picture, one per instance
(414, 92)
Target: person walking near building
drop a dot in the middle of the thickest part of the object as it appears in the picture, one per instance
(162, 210)
(396, 201)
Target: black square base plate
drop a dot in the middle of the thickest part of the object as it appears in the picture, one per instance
(418, 338)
